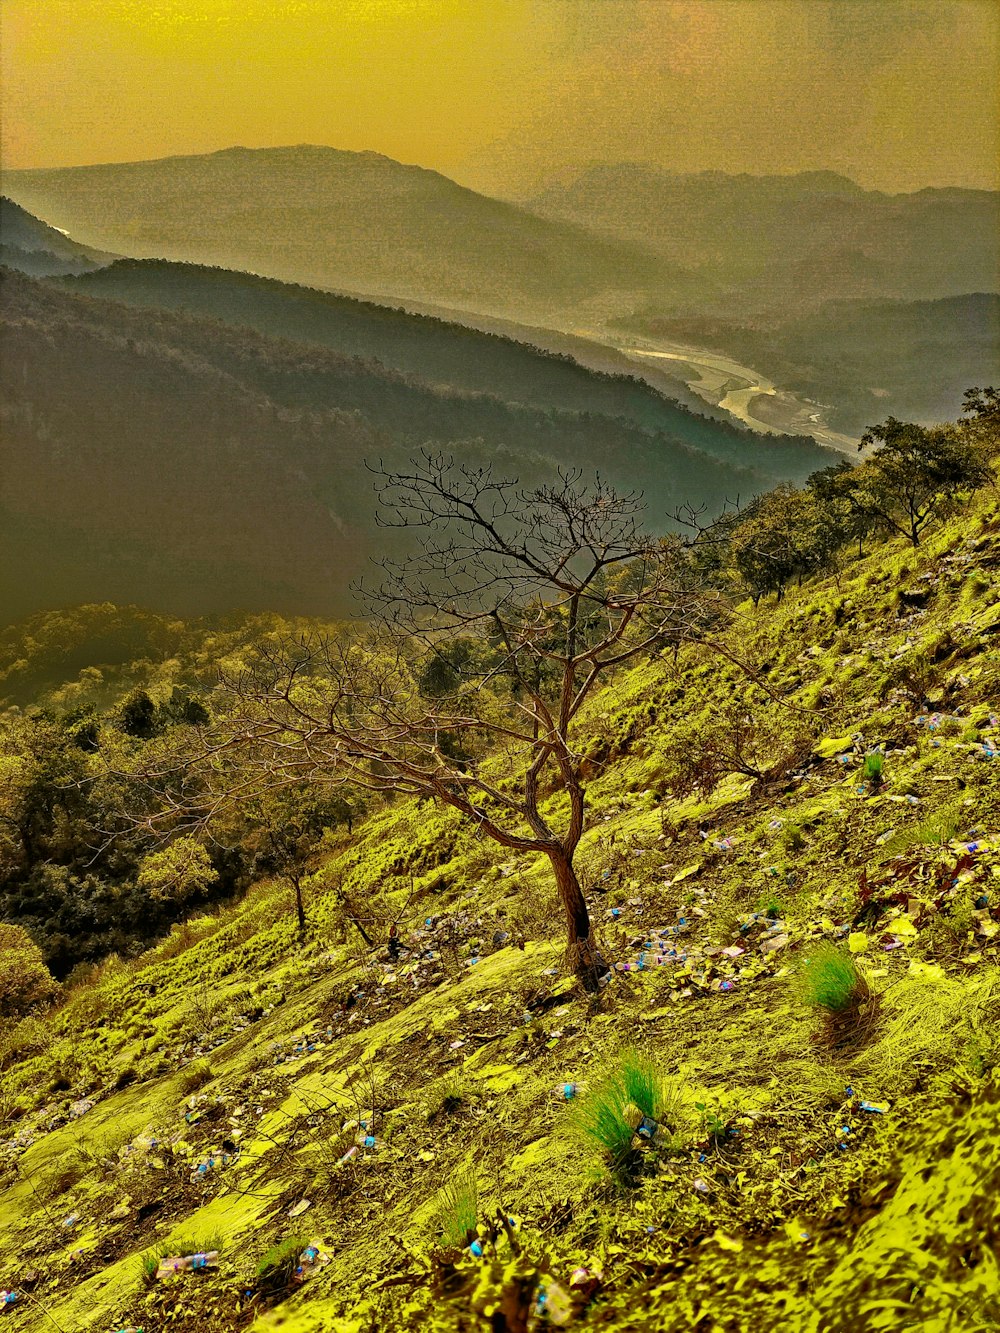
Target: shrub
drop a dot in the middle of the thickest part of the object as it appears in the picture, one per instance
(608, 1117)
(874, 767)
(26, 983)
(277, 1268)
(458, 1209)
(829, 979)
(149, 1260)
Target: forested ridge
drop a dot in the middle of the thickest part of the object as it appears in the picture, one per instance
(193, 465)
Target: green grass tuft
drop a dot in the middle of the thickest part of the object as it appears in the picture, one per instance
(605, 1119)
(458, 1209)
(829, 979)
(277, 1268)
(149, 1260)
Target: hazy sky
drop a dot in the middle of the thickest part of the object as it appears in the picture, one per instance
(502, 94)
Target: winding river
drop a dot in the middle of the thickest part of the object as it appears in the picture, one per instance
(744, 393)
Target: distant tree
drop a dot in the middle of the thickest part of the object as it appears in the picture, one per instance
(915, 472)
(555, 587)
(25, 981)
(981, 413)
(137, 715)
(286, 825)
(179, 872)
(835, 490)
(786, 534)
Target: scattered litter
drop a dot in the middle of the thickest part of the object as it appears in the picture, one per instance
(311, 1260)
(298, 1209)
(188, 1263)
(565, 1092)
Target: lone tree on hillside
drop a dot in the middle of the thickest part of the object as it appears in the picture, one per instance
(917, 470)
(483, 646)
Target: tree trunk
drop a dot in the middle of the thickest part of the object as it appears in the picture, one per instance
(583, 955)
(299, 909)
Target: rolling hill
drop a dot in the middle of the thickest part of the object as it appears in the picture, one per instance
(438, 351)
(192, 466)
(355, 221)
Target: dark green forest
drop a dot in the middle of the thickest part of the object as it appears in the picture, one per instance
(191, 465)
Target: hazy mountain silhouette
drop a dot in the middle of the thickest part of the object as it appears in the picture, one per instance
(192, 465)
(355, 221)
(437, 351)
(32, 246)
(798, 238)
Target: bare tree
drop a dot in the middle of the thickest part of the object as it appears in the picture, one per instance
(481, 648)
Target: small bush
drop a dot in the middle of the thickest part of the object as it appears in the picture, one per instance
(607, 1119)
(277, 1268)
(458, 1209)
(195, 1076)
(874, 768)
(25, 982)
(149, 1260)
(829, 979)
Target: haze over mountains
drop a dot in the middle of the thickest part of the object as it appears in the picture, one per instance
(769, 240)
(32, 246)
(617, 236)
(195, 465)
(355, 221)
(194, 438)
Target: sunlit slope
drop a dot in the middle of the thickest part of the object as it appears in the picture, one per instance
(783, 1203)
(357, 221)
(192, 466)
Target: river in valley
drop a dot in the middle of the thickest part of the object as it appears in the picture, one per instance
(744, 393)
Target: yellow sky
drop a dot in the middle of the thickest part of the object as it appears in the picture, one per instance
(504, 93)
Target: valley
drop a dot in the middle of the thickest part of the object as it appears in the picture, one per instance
(500, 666)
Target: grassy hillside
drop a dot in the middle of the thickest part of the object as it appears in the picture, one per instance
(807, 1170)
(355, 221)
(790, 242)
(866, 359)
(194, 466)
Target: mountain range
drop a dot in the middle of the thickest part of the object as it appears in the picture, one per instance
(765, 242)
(358, 222)
(193, 463)
(32, 246)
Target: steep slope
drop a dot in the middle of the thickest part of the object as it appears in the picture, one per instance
(769, 241)
(355, 221)
(175, 461)
(236, 1089)
(33, 247)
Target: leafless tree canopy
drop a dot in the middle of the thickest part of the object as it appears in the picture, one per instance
(480, 650)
